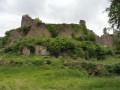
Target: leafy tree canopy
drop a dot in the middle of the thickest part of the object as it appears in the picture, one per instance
(114, 13)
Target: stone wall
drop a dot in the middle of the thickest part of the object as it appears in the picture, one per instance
(67, 32)
(26, 51)
(106, 40)
(41, 31)
(82, 23)
(14, 36)
(26, 20)
(41, 50)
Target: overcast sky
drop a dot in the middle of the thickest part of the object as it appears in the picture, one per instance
(54, 11)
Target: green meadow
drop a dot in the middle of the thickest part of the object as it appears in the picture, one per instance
(52, 76)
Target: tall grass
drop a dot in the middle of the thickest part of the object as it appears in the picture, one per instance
(54, 76)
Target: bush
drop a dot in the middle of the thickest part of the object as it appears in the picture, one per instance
(90, 67)
(75, 27)
(54, 29)
(38, 62)
(117, 68)
(109, 69)
(113, 69)
(2, 41)
(48, 62)
(38, 21)
(91, 37)
(24, 29)
(102, 52)
(58, 46)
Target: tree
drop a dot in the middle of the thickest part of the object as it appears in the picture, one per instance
(114, 13)
(114, 20)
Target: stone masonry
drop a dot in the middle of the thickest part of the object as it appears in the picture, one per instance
(26, 51)
(41, 50)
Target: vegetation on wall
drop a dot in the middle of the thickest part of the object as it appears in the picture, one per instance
(59, 46)
(24, 29)
(54, 29)
(75, 27)
(2, 42)
(88, 37)
(38, 22)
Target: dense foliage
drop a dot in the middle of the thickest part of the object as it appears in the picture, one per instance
(114, 13)
(113, 69)
(114, 20)
(54, 29)
(59, 46)
(117, 42)
(2, 42)
(24, 29)
(38, 21)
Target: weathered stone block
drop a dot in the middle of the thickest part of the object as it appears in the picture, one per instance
(41, 50)
(26, 51)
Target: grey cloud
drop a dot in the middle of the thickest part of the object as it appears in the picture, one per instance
(53, 10)
(31, 6)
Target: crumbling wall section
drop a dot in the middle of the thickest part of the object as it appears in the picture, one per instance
(41, 50)
(26, 51)
(106, 40)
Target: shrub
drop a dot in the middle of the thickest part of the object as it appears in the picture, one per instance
(48, 62)
(38, 62)
(58, 46)
(109, 69)
(90, 67)
(2, 42)
(117, 68)
(102, 52)
(75, 27)
(38, 21)
(8, 33)
(91, 37)
(25, 29)
(113, 69)
(54, 29)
